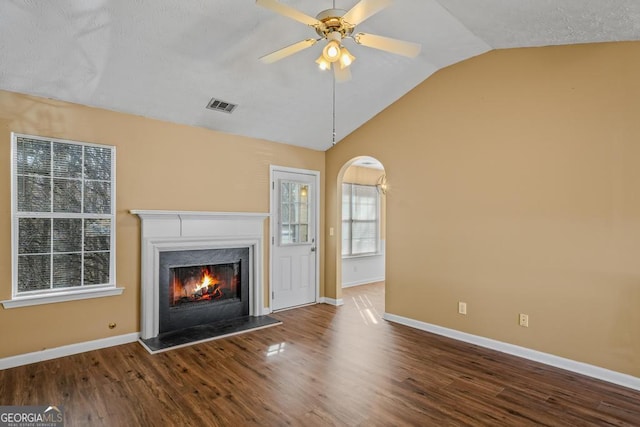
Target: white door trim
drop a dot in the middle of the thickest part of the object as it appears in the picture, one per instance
(273, 226)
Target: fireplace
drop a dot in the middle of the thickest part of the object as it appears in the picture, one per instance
(202, 286)
(199, 267)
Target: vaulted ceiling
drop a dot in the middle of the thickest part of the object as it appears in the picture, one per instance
(166, 59)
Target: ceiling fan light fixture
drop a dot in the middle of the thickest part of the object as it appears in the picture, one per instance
(323, 64)
(335, 25)
(346, 58)
(331, 51)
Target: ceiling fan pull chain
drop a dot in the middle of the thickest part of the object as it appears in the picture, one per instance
(333, 141)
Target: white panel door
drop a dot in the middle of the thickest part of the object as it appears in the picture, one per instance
(293, 240)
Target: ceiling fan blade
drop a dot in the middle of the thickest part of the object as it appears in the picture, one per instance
(286, 51)
(288, 11)
(387, 44)
(364, 9)
(341, 74)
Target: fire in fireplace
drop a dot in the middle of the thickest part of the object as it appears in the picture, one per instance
(206, 283)
(202, 286)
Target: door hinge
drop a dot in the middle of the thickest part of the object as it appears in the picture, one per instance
(273, 240)
(273, 185)
(273, 295)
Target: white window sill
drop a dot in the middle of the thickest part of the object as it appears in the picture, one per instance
(25, 301)
(362, 255)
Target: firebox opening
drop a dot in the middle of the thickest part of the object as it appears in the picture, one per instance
(204, 284)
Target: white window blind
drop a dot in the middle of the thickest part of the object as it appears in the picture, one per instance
(360, 219)
(63, 215)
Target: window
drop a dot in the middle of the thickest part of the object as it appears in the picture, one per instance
(294, 213)
(360, 219)
(62, 216)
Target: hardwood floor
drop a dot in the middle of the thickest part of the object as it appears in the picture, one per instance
(323, 366)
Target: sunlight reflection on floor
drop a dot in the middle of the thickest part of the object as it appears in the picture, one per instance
(366, 309)
(276, 349)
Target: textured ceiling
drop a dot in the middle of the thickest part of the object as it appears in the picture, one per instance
(166, 59)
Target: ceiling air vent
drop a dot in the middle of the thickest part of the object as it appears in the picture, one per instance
(219, 105)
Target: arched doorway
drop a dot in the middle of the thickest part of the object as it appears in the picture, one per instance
(362, 214)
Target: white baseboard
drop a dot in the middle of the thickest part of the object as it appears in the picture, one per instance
(266, 310)
(67, 350)
(363, 282)
(526, 353)
(331, 301)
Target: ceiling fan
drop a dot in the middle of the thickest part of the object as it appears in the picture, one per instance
(335, 25)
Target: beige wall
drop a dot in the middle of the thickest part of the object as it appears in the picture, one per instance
(159, 166)
(514, 185)
(362, 175)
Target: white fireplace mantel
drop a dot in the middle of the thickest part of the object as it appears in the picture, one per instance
(192, 230)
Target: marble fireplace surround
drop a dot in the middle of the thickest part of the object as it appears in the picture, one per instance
(194, 230)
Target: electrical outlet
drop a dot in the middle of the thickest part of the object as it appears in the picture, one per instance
(330, 231)
(462, 307)
(523, 320)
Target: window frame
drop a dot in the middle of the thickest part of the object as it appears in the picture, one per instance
(83, 291)
(351, 221)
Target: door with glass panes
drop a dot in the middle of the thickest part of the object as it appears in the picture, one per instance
(293, 240)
